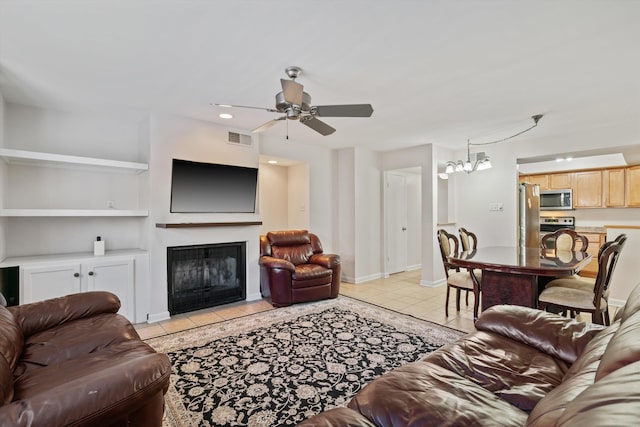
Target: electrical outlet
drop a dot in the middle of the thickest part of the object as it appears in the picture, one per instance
(496, 207)
(110, 204)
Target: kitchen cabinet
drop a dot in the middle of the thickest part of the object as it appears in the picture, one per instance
(51, 276)
(587, 191)
(633, 186)
(614, 187)
(595, 241)
(541, 180)
(560, 181)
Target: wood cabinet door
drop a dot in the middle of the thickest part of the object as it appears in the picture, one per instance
(44, 282)
(116, 276)
(541, 180)
(560, 181)
(595, 241)
(587, 191)
(614, 187)
(633, 186)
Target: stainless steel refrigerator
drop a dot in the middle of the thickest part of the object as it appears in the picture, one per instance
(529, 215)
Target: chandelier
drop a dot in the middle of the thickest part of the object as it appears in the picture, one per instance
(482, 161)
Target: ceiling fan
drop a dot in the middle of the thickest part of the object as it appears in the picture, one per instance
(295, 104)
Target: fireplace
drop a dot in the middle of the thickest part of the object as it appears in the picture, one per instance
(201, 276)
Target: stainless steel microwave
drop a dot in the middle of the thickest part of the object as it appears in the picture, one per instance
(556, 200)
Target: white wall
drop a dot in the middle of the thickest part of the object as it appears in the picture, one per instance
(414, 220)
(424, 157)
(182, 138)
(367, 195)
(347, 214)
(273, 199)
(322, 177)
(299, 198)
(3, 185)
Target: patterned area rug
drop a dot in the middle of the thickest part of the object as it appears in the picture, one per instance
(280, 367)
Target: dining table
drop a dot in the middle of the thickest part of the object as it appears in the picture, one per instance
(513, 274)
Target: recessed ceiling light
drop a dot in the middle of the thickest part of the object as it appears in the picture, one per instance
(225, 116)
(224, 105)
(273, 162)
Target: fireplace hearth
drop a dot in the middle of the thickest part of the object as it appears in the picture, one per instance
(202, 276)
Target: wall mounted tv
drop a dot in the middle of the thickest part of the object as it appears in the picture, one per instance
(208, 187)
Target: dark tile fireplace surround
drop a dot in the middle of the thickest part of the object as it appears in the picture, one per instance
(202, 276)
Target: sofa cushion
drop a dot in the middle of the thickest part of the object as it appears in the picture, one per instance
(6, 381)
(73, 339)
(624, 347)
(580, 376)
(516, 372)
(306, 275)
(42, 315)
(424, 394)
(612, 401)
(11, 338)
(92, 389)
(557, 336)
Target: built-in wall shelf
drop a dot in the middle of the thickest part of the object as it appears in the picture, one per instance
(49, 159)
(205, 224)
(72, 212)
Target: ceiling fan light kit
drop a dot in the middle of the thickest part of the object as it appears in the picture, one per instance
(482, 161)
(295, 104)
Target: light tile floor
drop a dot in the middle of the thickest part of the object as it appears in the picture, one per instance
(401, 292)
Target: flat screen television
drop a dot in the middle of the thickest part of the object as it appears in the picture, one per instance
(212, 188)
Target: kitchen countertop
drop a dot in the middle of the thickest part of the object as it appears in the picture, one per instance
(602, 230)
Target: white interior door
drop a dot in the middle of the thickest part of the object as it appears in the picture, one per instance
(396, 222)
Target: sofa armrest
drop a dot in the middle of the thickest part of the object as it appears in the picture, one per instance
(92, 397)
(550, 333)
(271, 262)
(39, 316)
(325, 260)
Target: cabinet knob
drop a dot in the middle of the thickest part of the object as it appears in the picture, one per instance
(76, 274)
(91, 273)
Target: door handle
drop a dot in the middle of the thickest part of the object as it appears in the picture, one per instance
(76, 274)
(91, 273)
(404, 228)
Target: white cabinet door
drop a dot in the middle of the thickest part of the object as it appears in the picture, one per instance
(52, 281)
(116, 276)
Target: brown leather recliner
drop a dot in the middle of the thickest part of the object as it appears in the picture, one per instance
(74, 361)
(294, 268)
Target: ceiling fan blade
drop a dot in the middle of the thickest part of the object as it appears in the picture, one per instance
(352, 110)
(317, 125)
(267, 125)
(245, 106)
(292, 91)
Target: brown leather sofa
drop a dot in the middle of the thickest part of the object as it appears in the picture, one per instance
(293, 268)
(74, 361)
(521, 367)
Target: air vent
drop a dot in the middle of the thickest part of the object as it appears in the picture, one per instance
(239, 139)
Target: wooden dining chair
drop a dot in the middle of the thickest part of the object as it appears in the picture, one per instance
(468, 239)
(579, 295)
(466, 280)
(566, 239)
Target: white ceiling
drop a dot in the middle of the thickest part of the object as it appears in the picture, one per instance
(435, 71)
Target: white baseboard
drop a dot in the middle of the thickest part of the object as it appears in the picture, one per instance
(158, 317)
(361, 279)
(254, 296)
(430, 284)
(617, 302)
